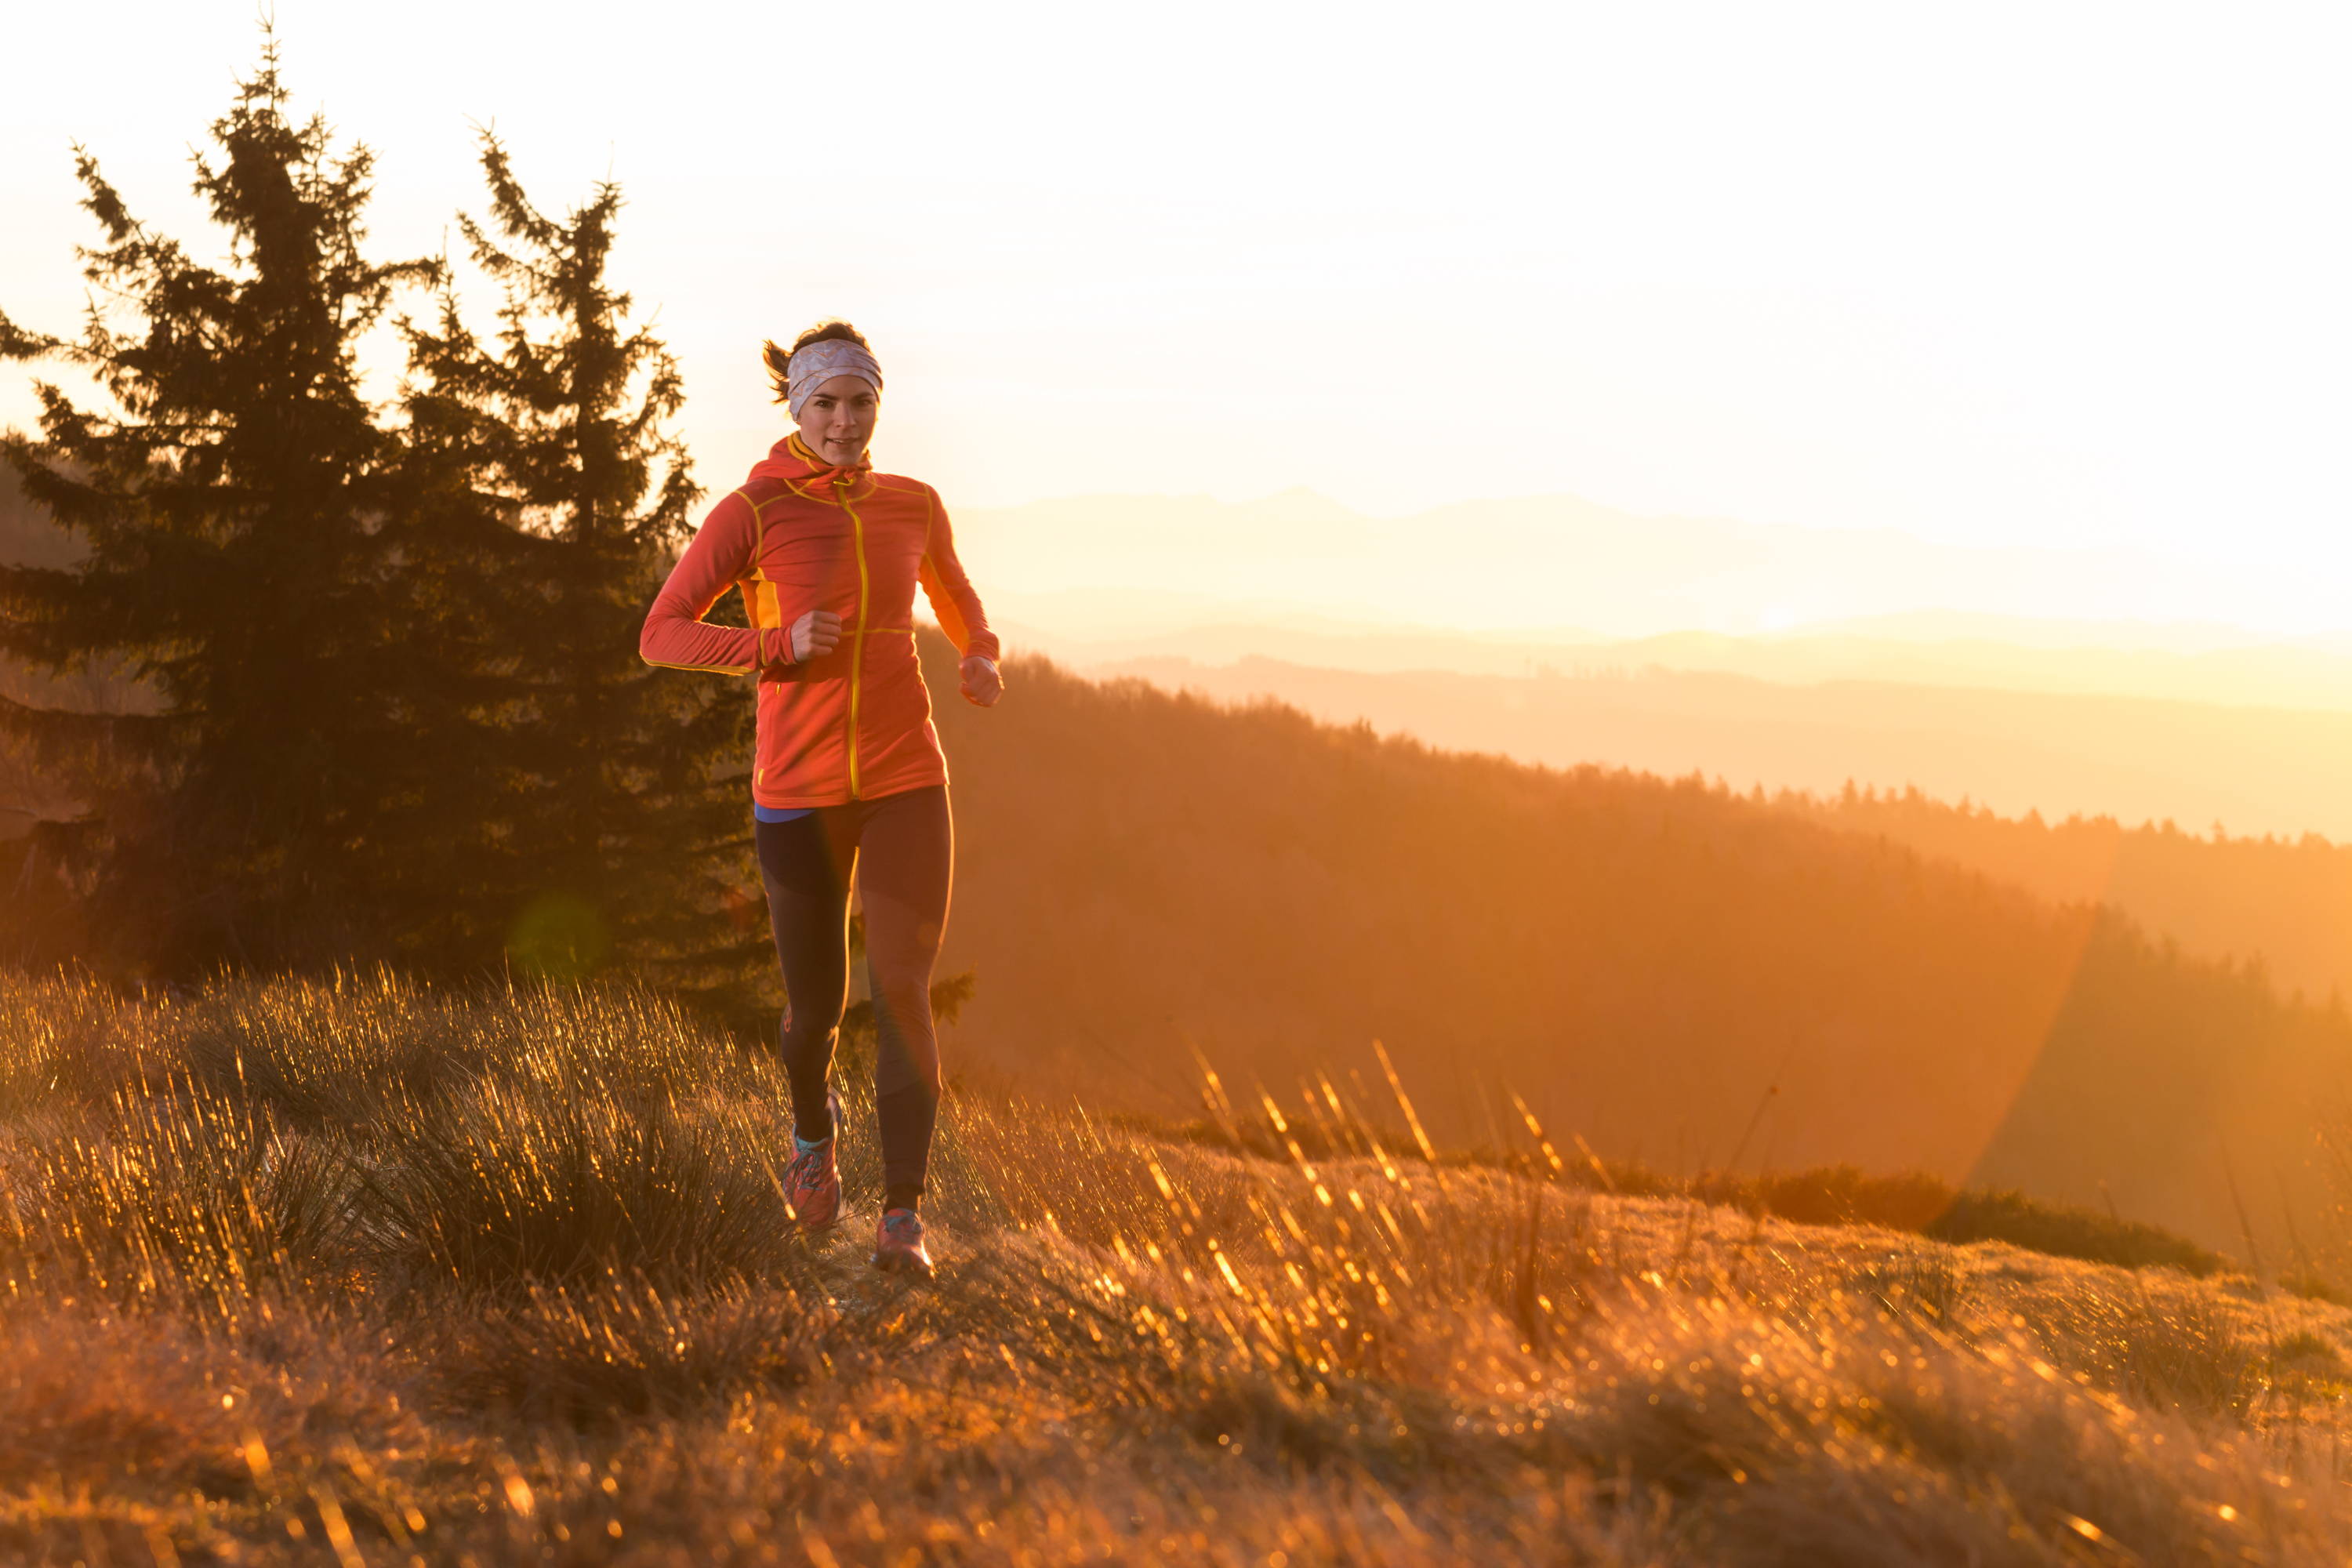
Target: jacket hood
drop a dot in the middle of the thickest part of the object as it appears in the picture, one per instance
(790, 461)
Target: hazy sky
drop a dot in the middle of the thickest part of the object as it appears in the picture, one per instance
(2050, 273)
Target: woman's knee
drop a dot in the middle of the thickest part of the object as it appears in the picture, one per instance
(907, 1049)
(805, 1038)
(903, 1065)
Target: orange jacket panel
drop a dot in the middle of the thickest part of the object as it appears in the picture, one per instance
(801, 536)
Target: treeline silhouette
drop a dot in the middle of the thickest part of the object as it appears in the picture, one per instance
(2284, 904)
(382, 692)
(1679, 975)
(2261, 769)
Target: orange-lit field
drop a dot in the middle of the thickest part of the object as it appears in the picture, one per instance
(1616, 742)
(352, 1271)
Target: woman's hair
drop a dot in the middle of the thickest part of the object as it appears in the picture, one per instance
(777, 359)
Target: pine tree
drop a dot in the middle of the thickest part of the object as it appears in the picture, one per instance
(625, 833)
(231, 490)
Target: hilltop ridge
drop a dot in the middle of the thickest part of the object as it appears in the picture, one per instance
(1675, 972)
(2254, 769)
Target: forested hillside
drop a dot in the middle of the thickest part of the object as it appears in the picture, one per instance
(1669, 969)
(2285, 903)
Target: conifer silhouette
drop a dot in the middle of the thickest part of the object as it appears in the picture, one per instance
(230, 488)
(621, 835)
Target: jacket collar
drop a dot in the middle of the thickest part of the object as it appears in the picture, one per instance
(790, 461)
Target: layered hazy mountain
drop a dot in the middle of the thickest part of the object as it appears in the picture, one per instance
(2251, 771)
(2203, 663)
(1556, 631)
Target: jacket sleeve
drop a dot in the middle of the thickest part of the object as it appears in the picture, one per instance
(950, 592)
(719, 556)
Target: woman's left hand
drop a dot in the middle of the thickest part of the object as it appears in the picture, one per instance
(982, 685)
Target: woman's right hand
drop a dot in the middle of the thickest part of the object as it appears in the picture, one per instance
(815, 634)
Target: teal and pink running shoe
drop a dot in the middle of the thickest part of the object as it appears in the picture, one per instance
(899, 1250)
(812, 1180)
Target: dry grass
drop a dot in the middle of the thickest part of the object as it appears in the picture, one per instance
(1914, 1200)
(357, 1272)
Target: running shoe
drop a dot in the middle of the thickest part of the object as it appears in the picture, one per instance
(813, 1181)
(899, 1250)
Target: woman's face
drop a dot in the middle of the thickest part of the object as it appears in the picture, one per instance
(837, 420)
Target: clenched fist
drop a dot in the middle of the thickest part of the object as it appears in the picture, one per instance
(982, 685)
(815, 634)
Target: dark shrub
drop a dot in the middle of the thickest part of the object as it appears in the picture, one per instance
(2066, 1232)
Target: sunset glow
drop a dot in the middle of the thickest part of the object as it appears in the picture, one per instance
(1044, 783)
(2011, 275)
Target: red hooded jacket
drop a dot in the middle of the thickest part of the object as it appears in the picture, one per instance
(800, 536)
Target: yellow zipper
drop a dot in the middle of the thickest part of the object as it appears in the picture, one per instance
(857, 636)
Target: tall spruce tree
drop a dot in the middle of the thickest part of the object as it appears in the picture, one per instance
(622, 831)
(232, 492)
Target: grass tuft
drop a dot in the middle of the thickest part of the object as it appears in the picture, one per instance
(623, 1347)
(516, 1182)
(184, 1197)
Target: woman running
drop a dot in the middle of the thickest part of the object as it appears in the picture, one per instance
(850, 781)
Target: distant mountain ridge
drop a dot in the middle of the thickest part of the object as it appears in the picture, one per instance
(2184, 662)
(2254, 770)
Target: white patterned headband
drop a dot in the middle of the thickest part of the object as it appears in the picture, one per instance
(819, 363)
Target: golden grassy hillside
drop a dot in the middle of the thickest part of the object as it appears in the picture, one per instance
(357, 1272)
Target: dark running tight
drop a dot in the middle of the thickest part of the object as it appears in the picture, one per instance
(901, 849)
